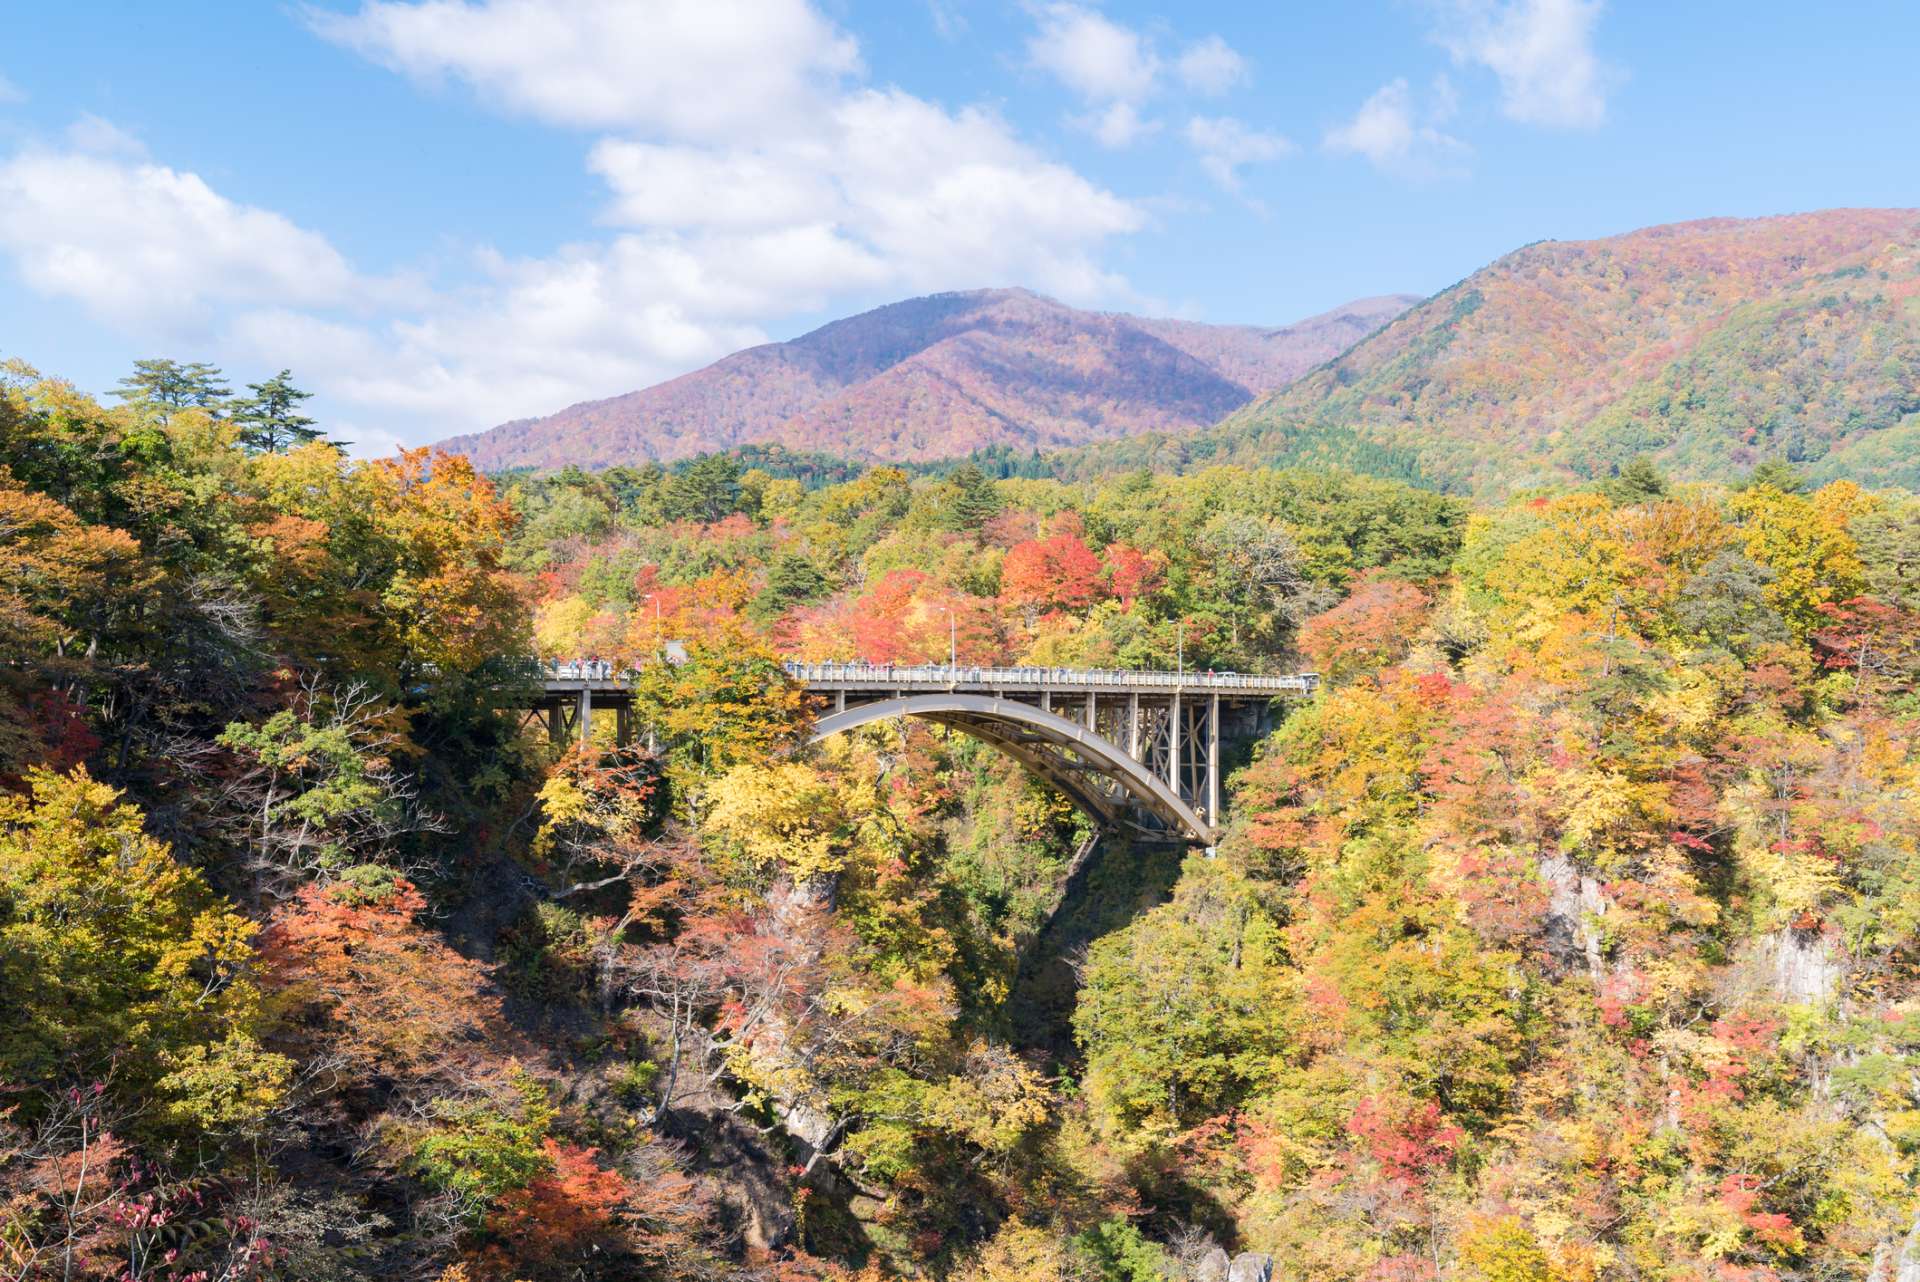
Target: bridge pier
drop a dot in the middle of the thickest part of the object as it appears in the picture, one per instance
(1213, 759)
(568, 699)
(1173, 745)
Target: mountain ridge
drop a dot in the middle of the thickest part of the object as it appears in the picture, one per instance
(939, 376)
(1709, 345)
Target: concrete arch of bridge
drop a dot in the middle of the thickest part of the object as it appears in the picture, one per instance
(1024, 732)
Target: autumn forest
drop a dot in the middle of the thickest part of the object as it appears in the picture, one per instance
(1569, 933)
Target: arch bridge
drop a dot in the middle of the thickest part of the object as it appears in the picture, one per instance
(1136, 751)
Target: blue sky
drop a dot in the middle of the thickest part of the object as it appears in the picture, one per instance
(446, 213)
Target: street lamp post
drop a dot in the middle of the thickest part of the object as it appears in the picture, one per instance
(953, 639)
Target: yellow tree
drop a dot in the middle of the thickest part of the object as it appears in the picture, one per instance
(1577, 564)
(1803, 540)
(121, 963)
(391, 565)
(54, 571)
(450, 600)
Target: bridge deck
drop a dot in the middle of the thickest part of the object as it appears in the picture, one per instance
(606, 680)
(880, 676)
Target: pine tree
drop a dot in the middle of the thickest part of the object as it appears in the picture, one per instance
(974, 501)
(270, 420)
(707, 489)
(163, 387)
(1776, 474)
(1638, 482)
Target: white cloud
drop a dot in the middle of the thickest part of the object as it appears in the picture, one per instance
(687, 68)
(893, 190)
(1225, 145)
(1211, 67)
(161, 256)
(533, 336)
(718, 226)
(90, 133)
(916, 199)
(142, 244)
(674, 185)
(10, 92)
(1388, 133)
(1097, 58)
(948, 22)
(1115, 69)
(735, 126)
(1117, 125)
(1540, 50)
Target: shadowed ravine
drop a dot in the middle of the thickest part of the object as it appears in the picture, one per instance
(1120, 878)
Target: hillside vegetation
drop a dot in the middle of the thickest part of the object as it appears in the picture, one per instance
(1710, 346)
(1570, 933)
(940, 377)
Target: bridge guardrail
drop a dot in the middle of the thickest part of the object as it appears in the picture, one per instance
(940, 675)
(585, 670)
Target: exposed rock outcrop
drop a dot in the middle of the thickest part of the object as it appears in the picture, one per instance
(1250, 1266)
(1806, 965)
(1213, 1266)
(1574, 903)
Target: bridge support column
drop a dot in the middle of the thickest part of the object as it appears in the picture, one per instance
(585, 717)
(1133, 725)
(556, 723)
(1213, 760)
(1093, 712)
(1173, 747)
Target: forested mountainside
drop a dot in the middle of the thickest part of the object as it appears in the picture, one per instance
(1709, 346)
(939, 377)
(1570, 933)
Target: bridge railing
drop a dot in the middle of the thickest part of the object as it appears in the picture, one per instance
(943, 676)
(585, 670)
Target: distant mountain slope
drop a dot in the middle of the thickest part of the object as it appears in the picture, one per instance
(940, 376)
(1710, 345)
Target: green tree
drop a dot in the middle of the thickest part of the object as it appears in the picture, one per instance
(1776, 474)
(161, 388)
(791, 580)
(1889, 540)
(312, 791)
(706, 489)
(1120, 1252)
(478, 1150)
(1183, 1011)
(972, 500)
(730, 703)
(270, 420)
(1638, 482)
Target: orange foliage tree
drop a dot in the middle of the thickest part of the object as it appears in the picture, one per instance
(1370, 629)
(358, 978)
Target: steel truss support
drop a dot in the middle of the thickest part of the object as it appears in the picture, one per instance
(1093, 771)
